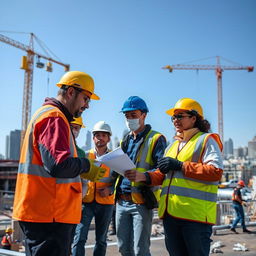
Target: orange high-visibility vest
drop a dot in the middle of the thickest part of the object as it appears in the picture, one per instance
(92, 192)
(39, 197)
(5, 241)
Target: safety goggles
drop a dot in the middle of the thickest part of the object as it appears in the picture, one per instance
(179, 117)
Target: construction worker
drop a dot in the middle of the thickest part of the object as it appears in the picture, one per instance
(76, 126)
(189, 173)
(98, 202)
(144, 147)
(238, 203)
(6, 242)
(48, 194)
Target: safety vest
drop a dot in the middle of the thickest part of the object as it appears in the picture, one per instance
(5, 240)
(93, 187)
(39, 197)
(188, 198)
(144, 162)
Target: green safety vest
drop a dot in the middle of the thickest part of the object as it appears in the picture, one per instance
(184, 197)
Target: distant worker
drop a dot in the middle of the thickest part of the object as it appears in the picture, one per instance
(48, 194)
(98, 202)
(6, 242)
(237, 203)
(189, 173)
(145, 147)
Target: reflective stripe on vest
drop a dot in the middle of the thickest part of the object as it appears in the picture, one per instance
(92, 192)
(188, 198)
(40, 197)
(144, 162)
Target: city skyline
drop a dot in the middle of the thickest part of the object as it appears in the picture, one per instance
(11, 146)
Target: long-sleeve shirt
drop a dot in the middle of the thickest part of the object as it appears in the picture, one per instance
(210, 169)
(54, 145)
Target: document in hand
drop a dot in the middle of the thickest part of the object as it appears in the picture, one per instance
(117, 160)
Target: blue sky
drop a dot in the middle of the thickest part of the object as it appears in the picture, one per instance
(123, 45)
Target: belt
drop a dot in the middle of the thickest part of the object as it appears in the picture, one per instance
(125, 197)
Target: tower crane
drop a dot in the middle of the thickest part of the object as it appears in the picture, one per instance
(218, 70)
(28, 66)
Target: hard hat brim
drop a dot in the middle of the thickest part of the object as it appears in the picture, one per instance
(171, 111)
(95, 97)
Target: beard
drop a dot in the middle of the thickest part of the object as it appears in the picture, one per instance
(77, 114)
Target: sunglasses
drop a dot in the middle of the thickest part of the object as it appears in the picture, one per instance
(179, 117)
(87, 99)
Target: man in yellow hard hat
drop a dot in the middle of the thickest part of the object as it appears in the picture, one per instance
(48, 194)
(6, 242)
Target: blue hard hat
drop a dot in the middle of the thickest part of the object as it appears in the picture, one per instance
(134, 103)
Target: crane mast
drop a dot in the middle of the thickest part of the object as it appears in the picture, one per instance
(28, 79)
(218, 71)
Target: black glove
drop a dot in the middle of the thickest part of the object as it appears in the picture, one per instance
(167, 164)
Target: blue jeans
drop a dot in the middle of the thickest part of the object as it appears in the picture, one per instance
(239, 215)
(102, 214)
(133, 228)
(183, 237)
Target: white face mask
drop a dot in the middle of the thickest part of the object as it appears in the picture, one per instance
(133, 124)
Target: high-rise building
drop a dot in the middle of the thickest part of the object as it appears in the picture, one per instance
(228, 148)
(239, 152)
(12, 148)
(88, 141)
(252, 148)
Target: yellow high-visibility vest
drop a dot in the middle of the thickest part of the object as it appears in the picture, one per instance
(188, 198)
(144, 162)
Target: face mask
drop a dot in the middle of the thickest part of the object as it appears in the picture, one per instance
(133, 124)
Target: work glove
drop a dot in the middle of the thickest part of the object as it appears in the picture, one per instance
(167, 164)
(95, 173)
(244, 204)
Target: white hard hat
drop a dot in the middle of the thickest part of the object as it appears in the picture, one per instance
(102, 126)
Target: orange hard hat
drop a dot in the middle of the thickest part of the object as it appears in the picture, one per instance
(241, 183)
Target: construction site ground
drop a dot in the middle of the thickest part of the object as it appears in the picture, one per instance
(226, 238)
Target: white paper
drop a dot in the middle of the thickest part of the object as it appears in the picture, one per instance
(117, 160)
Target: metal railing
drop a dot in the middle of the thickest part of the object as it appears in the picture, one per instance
(226, 214)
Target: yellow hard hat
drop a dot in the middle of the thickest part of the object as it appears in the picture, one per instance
(79, 121)
(9, 230)
(80, 80)
(186, 104)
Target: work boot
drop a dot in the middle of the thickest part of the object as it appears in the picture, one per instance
(234, 230)
(245, 230)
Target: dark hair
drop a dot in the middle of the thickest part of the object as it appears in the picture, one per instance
(63, 90)
(202, 124)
